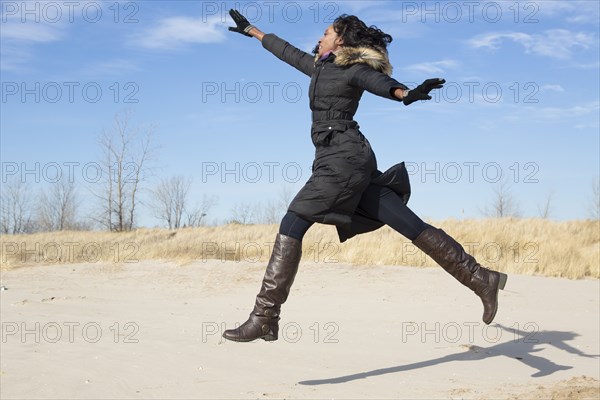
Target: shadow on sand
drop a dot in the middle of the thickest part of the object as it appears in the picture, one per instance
(521, 348)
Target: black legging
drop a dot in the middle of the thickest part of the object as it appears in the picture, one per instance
(380, 203)
(294, 226)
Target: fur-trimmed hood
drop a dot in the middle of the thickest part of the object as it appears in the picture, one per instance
(374, 57)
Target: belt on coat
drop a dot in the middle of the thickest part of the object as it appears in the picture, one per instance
(331, 115)
(338, 121)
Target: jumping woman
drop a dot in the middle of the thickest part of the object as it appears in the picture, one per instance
(346, 189)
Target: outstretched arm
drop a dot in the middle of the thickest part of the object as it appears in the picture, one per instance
(382, 85)
(295, 57)
(378, 83)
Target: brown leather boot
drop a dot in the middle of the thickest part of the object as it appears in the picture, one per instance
(451, 256)
(276, 285)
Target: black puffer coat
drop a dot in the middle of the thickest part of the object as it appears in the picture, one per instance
(344, 164)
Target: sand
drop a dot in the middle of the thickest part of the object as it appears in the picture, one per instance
(153, 330)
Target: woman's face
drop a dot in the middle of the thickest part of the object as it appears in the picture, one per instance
(329, 42)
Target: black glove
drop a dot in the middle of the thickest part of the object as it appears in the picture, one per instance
(243, 26)
(421, 92)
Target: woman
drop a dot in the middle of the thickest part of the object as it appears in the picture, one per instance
(345, 188)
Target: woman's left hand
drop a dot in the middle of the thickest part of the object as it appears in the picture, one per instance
(242, 24)
(421, 92)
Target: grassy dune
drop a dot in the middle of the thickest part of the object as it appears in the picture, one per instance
(526, 246)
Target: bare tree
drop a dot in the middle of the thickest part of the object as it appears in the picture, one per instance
(195, 215)
(273, 211)
(268, 213)
(126, 153)
(243, 213)
(170, 200)
(503, 204)
(15, 207)
(544, 211)
(57, 207)
(286, 194)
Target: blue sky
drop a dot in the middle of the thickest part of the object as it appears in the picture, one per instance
(522, 98)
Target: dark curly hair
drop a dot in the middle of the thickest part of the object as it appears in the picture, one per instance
(355, 33)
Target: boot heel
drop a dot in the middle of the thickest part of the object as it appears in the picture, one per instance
(269, 338)
(502, 280)
(271, 334)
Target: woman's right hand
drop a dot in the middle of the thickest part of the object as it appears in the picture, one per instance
(243, 26)
(421, 92)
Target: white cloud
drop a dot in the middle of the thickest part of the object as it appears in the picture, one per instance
(587, 126)
(434, 67)
(30, 32)
(576, 12)
(560, 113)
(553, 88)
(13, 57)
(493, 40)
(556, 43)
(17, 40)
(176, 32)
(590, 65)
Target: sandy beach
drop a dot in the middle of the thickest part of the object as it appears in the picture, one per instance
(152, 329)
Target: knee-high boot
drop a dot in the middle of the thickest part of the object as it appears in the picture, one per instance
(263, 322)
(451, 256)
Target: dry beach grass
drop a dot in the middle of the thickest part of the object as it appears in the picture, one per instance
(568, 249)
